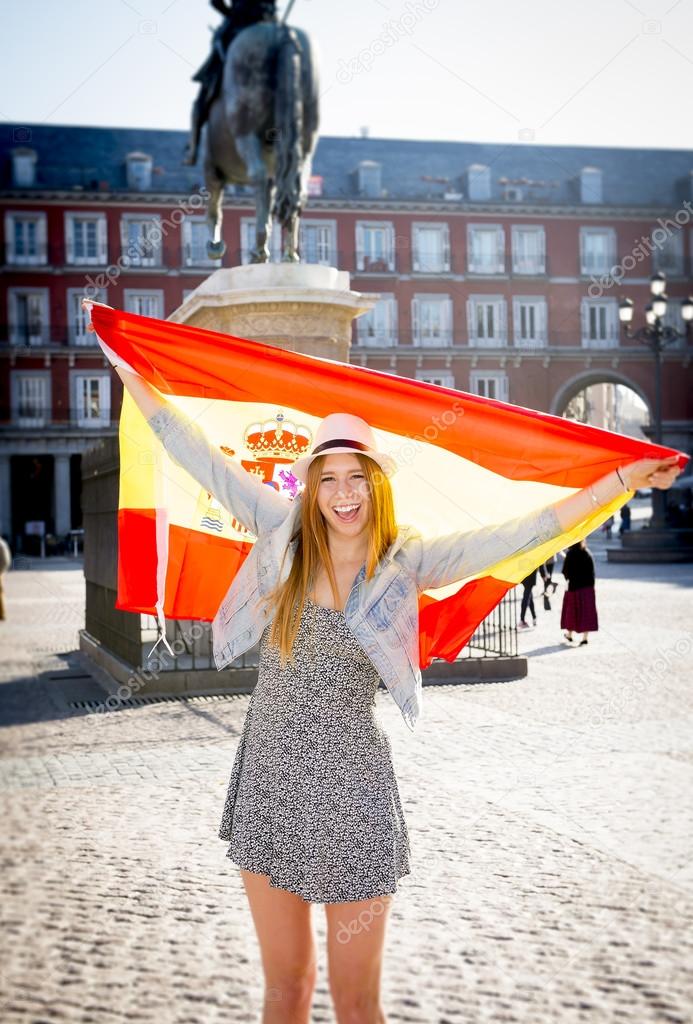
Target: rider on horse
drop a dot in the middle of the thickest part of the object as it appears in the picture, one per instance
(238, 14)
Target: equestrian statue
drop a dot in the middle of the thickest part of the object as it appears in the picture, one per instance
(258, 106)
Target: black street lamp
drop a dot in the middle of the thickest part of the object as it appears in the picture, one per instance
(656, 336)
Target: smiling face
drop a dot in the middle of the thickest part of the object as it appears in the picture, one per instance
(343, 494)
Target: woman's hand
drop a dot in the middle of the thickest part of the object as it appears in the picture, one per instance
(92, 302)
(659, 473)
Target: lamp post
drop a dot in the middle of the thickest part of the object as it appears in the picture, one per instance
(656, 336)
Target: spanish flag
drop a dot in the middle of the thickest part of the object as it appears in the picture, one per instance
(463, 462)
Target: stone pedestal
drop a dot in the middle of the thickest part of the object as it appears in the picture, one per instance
(303, 307)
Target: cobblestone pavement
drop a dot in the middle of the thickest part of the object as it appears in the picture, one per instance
(550, 820)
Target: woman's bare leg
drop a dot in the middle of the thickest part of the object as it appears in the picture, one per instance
(355, 943)
(284, 928)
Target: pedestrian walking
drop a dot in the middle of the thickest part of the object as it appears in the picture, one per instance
(579, 609)
(624, 525)
(608, 526)
(546, 573)
(528, 600)
(312, 811)
(5, 563)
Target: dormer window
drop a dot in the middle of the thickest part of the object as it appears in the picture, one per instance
(139, 171)
(370, 179)
(591, 185)
(23, 167)
(479, 182)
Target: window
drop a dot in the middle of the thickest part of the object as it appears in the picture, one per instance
(375, 246)
(432, 320)
(317, 242)
(489, 384)
(141, 240)
(529, 249)
(194, 233)
(85, 238)
(23, 166)
(145, 302)
(92, 399)
(599, 322)
(379, 325)
(30, 398)
(369, 174)
(430, 249)
(139, 171)
(248, 243)
(668, 256)
(486, 249)
(590, 185)
(77, 319)
(479, 182)
(597, 250)
(439, 377)
(674, 318)
(25, 238)
(529, 321)
(487, 320)
(28, 310)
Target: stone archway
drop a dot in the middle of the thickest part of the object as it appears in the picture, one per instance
(623, 407)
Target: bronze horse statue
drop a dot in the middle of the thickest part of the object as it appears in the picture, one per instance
(262, 130)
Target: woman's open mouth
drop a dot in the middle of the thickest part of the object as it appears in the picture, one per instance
(347, 513)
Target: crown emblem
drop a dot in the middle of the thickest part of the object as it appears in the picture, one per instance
(278, 438)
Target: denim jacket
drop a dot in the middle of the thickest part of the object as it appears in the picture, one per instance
(382, 612)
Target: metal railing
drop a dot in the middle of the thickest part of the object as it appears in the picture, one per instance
(191, 641)
(27, 415)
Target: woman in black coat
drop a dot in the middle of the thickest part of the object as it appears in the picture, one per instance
(579, 609)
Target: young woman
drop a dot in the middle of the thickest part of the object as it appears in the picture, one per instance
(579, 608)
(312, 812)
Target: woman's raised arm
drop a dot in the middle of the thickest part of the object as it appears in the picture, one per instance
(454, 556)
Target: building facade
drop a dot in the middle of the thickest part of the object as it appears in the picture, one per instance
(500, 270)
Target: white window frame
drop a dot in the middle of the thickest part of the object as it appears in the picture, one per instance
(136, 259)
(81, 418)
(421, 333)
(368, 263)
(40, 377)
(443, 378)
(540, 307)
(499, 378)
(382, 333)
(421, 262)
(132, 296)
(188, 258)
(521, 263)
(610, 317)
(248, 227)
(325, 247)
(675, 244)
(40, 257)
(500, 318)
(43, 334)
(587, 231)
(70, 220)
(498, 264)
(76, 318)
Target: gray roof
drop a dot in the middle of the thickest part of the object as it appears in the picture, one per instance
(94, 158)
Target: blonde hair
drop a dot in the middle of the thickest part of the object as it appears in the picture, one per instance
(312, 550)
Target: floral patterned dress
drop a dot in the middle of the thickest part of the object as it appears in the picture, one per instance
(313, 800)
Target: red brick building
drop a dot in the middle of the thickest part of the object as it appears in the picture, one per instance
(500, 269)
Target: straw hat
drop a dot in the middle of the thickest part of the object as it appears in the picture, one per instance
(343, 432)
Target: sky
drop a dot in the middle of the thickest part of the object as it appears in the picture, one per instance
(554, 72)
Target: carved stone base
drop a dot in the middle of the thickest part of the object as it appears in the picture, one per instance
(302, 307)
